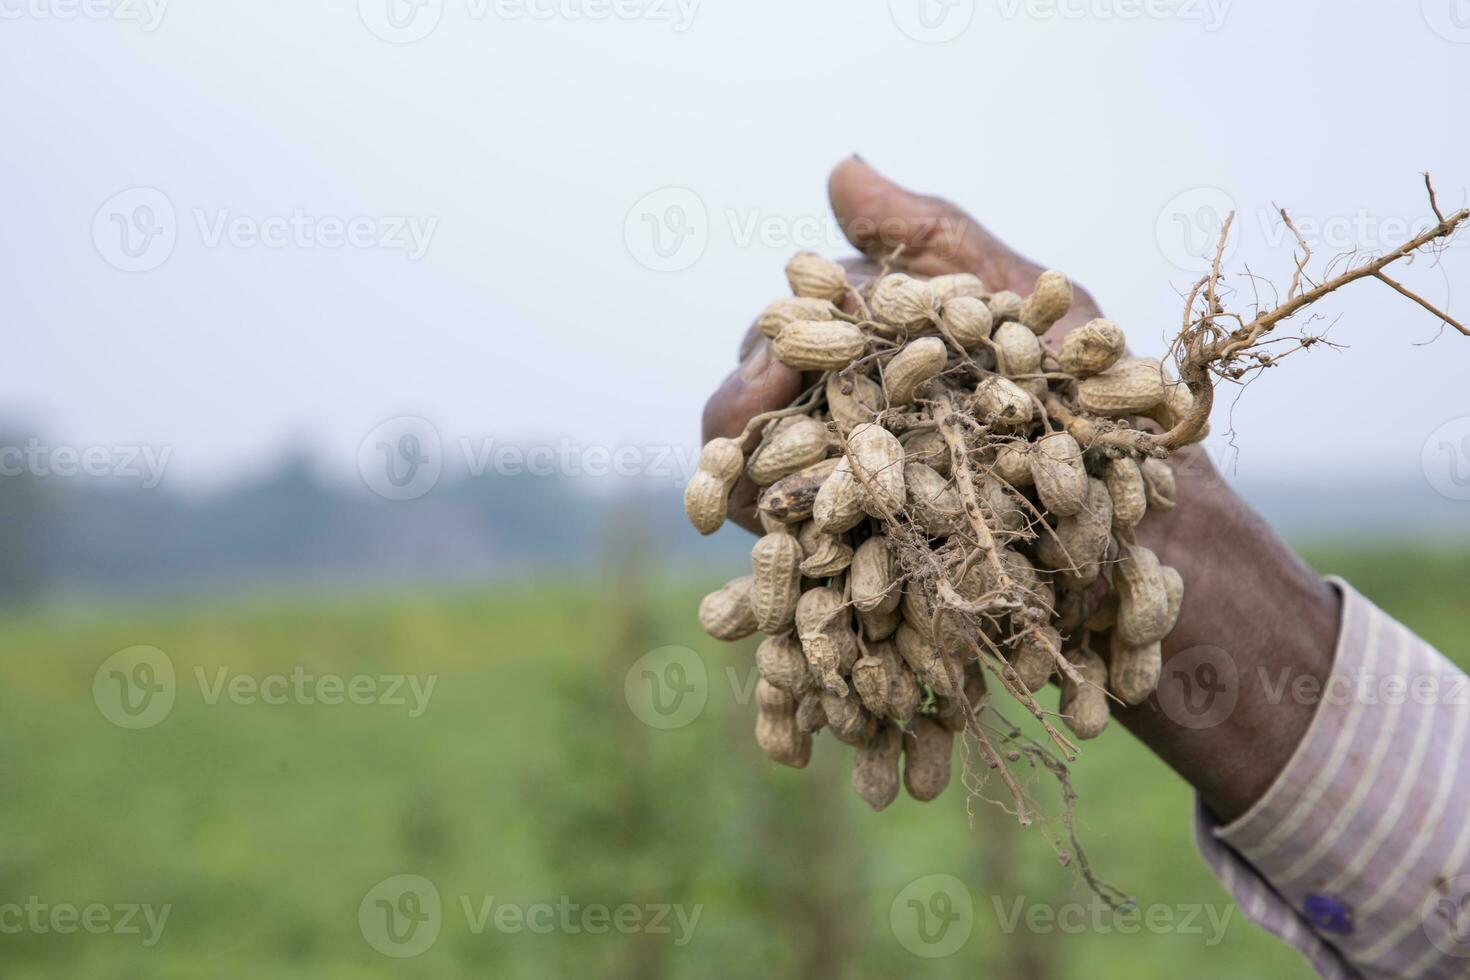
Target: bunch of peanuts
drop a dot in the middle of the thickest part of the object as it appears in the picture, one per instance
(933, 523)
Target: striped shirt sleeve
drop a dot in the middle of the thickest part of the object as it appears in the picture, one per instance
(1359, 854)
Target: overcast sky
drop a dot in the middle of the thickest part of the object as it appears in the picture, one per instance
(472, 189)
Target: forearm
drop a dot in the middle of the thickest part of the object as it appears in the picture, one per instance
(1253, 615)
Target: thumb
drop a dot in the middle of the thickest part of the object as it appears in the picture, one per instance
(877, 216)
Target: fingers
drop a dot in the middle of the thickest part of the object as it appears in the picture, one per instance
(878, 215)
(761, 383)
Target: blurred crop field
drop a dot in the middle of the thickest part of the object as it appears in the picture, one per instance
(527, 780)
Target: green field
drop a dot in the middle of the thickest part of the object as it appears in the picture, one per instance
(527, 779)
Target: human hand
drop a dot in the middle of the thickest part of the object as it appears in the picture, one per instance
(1247, 595)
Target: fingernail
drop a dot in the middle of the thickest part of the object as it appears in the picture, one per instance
(757, 363)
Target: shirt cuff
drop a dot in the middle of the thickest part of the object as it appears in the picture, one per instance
(1359, 854)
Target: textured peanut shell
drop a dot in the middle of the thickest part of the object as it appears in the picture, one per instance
(879, 624)
(918, 613)
(827, 640)
(791, 498)
(932, 501)
(707, 496)
(875, 767)
(839, 504)
(1005, 305)
(1084, 707)
(955, 713)
(1018, 349)
(1125, 486)
(1143, 600)
(726, 613)
(968, 320)
(874, 576)
(825, 555)
(776, 730)
(902, 301)
(850, 722)
(816, 277)
(1092, 348)
(1031, 664)
(775, 564)
(1131, 387)
(1133, 672)
(862, 405)
(782, 741)
(904, 696)
(810, 717)
(791, 449)
(1048, 302)
(1174, 589)
(927, 748)
(1001, 402)
(1158, 483)
(1058, 473)
(954, 285)
(1105, 616)
(927, 447)
(782, 664)
(818, 345)
(1013, 465)
(1081, 540)
(870, 680)
(879, 455)
(916, 365)
(786, 311)
(927, 661)
(706, 502)
(723, 459)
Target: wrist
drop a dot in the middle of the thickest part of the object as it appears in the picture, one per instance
(1255, 619)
